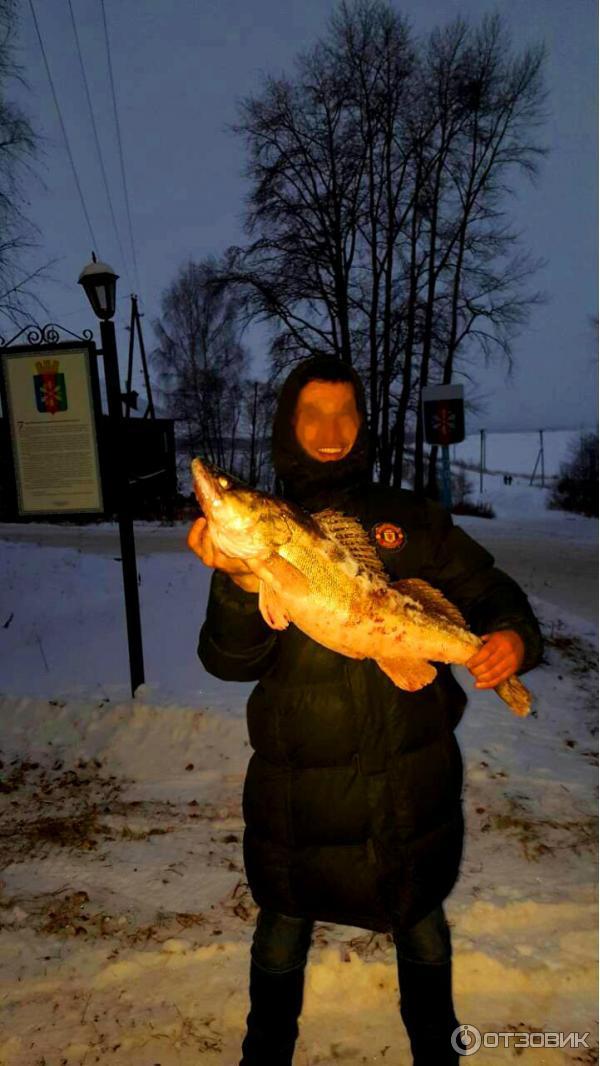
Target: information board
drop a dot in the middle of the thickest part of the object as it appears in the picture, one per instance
(52, 400)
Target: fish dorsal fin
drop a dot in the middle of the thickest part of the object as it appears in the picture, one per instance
(430, 598)
(349, 533)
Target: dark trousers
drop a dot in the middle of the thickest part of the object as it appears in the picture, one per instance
(279, 952)
(281, 942)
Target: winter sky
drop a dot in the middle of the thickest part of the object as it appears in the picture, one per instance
(179, 69)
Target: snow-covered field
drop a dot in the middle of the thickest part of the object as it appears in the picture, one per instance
(125, 917)
(517, 452)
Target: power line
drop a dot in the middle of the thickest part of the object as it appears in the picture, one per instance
(96, 138)
(120, 144)
(64, 132)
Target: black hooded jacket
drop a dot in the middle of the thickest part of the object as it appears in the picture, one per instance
(352, 798)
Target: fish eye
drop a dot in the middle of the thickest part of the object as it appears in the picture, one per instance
(223, 482)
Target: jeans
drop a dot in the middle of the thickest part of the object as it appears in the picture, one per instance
(279, 951)
(281, 942)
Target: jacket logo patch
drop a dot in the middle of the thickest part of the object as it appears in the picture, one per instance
(388, 535)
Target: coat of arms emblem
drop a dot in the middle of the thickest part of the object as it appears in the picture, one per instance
(50, 388)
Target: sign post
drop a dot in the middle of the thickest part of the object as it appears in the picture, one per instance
(51, 397)
(444, 424)
(128, 558)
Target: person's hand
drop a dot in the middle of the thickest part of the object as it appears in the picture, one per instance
(201, 543)
(499, 658)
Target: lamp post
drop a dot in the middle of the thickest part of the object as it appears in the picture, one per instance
(99, 282)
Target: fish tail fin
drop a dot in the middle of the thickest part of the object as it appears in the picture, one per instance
(514, 693)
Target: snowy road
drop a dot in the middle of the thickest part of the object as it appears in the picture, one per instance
(547, 556)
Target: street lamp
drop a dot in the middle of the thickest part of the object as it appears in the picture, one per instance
(100, 282)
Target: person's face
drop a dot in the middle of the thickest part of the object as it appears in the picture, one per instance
(326, 419)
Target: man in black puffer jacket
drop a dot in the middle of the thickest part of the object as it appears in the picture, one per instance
(352, 798)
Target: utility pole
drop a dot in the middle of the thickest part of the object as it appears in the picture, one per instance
(542, 453)
(539, 459)
(135, 329)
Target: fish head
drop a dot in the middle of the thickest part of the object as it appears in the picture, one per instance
(244, 522)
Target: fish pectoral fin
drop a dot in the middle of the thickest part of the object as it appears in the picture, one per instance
(280, 575)
(270, 607)
(408, 674)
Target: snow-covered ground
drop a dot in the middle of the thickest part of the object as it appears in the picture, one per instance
(125, 917)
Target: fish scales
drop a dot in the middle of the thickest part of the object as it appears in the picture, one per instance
(339, 588)
(322, 574)
(333, 581)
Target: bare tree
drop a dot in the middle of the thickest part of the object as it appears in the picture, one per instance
(328, 165)
(378, 177)
(577, 485)
(18, 145)
(200, 362)
(259, 409)
(476, 270)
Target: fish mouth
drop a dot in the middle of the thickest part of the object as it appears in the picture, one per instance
(210, 484)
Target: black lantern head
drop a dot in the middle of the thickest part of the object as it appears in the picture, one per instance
(100, 284)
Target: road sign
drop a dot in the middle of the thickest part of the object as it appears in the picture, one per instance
(443, 414)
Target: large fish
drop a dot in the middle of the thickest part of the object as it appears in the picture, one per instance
(321, 573)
